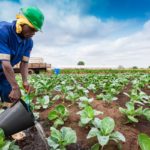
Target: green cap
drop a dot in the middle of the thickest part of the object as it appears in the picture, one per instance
(34, 15)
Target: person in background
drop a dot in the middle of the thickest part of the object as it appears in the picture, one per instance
(15, 46)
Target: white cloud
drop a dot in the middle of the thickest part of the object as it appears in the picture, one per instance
(8, 10)
(69, 36)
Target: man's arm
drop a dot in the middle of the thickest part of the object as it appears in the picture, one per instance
(9, 73)
(24, 71)
(24, 74)
(15, 94)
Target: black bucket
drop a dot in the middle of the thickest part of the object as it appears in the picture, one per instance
(16, 118)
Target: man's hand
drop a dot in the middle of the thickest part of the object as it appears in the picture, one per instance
(15, 94)
(28, 87)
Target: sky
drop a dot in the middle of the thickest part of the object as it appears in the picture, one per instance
(102, 33)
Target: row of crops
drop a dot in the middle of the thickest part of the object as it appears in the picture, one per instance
(95, 71)
(82, 90)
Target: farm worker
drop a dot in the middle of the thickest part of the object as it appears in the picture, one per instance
(15, 46)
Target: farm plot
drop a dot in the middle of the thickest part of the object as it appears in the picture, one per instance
(81, 112)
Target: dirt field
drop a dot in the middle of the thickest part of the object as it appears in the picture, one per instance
(130, 131)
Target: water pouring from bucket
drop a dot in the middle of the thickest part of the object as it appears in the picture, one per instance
(19, 117)
(41, 134)
(16, 118)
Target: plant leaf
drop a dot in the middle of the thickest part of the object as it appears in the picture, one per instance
(55, 134)
(93, 132)
(95, 147)
(68, 135)
(144, 141)
(60, 109)
(130, 106)
(58, 122)
(52, 115)
(97, 123)
(103, 140)
(107, 125)
(52, 143)
(6, 146)
(132, 119)
(146, 113)
(117, 136)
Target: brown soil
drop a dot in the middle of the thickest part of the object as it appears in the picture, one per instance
(130, 131)
(122, 98)
(32, 141)
(146, 90)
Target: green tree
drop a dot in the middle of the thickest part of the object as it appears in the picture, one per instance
(81, 63)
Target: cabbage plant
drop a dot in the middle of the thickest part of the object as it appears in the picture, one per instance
(130, 112)
(59, 114)
(106, 97)
(104, 131)
(5, 144)
(138, 96)
(42, 102)
(72, 96)
(84, 101)
(87, 115)
(59, 139)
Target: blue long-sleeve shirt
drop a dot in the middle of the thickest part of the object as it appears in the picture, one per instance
(13, 48)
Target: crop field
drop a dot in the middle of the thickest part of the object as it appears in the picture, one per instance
(89, 111)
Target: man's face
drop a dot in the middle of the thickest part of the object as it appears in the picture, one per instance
(28, 32)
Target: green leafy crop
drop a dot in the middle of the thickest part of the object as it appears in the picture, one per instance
(131, 112)
(7, 145)
(104, 131)
(59, 139)
(144, 141)
(59, 114)
(87, 115)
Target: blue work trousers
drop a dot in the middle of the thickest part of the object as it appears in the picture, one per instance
(5, 89)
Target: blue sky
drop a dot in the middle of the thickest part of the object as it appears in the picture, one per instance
(105, 9)
(103, 33)
(120, 9)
